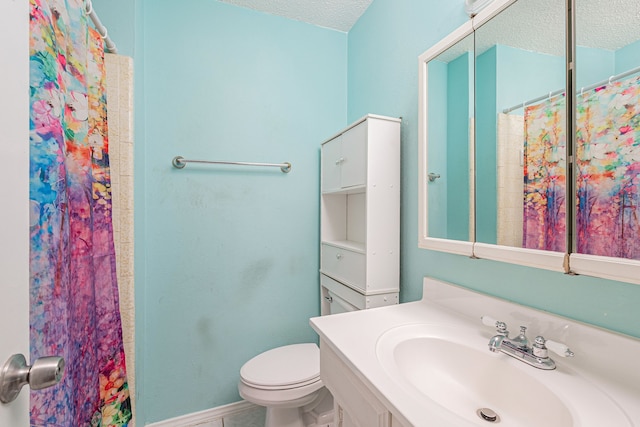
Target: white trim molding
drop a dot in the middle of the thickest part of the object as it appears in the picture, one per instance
(548, 260)
(621, 269)
(207, 415)
(458, 247)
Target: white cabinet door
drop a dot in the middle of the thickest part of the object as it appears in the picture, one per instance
(344, 160)
(14, 193)
(344, 420)
(331, 164)
(357, 406)
(395, 422)
(354, 156)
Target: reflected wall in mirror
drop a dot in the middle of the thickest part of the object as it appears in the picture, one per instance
(608, 128)
(450, 141)
(521, 127)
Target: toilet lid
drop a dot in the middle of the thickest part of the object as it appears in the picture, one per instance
(283, 366)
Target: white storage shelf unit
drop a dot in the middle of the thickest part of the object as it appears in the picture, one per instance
(360, 211)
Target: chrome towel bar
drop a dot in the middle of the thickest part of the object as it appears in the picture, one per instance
(180, 162)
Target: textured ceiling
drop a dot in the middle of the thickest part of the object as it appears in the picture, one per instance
(539, 26)
(536, 25)
(336, 14)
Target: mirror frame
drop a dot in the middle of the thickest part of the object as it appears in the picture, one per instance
(620, 269)
(459, 247)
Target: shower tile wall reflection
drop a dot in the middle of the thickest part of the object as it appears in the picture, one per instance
(120, 115)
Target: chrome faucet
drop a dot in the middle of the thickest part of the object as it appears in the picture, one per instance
(536, 355)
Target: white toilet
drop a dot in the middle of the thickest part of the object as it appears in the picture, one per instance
(286, 380)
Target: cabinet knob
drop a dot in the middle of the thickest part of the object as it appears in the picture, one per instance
(340, 161)
(339, 256)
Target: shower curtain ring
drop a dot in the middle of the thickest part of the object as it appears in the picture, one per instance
(105, 35)
(610, 79)
(89, 7)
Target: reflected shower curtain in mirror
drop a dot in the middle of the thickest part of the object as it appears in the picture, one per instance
(608, 170)
(544, 175)
(73, 290)
(607, 177)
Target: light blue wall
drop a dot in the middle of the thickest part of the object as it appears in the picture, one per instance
(506, 76)
(232, 253)
(597, 65)
(486, 89)
(627, 57)
(437, 159)
(383, 78)
(448, 136)
(458, 147)
(593, 66)
(140, 214)
(524, 75)
(119, 17)
(227, 258)
(383, 50)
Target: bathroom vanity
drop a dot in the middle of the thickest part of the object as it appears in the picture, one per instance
(428, 363)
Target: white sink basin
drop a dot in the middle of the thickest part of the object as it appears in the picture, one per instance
(453, 367)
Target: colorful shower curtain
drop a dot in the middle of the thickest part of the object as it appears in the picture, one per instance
(607, 178)
(544, 176)
(608, 163)
(73, 289)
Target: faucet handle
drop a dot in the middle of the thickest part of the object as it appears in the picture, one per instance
(501, 327)
(489, 321)
(539, 349)
(559, 348)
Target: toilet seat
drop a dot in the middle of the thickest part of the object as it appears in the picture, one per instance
(288, 367)
(277, 387)
(286, 380)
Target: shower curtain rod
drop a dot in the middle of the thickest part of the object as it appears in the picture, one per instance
(109, 45)
(558, 92)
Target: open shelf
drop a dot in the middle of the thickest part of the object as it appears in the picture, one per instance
(349, 245)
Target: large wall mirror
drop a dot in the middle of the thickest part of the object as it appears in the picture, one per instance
(607, 114)
(447, 178)
(525, 206)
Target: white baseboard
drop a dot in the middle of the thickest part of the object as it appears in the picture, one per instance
(206, 415)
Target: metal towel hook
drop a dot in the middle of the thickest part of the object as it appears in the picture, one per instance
(433, 176)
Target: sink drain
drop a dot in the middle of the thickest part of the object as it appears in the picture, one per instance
(488, 415)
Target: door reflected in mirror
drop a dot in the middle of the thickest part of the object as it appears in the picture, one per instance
(521, 127)
(608, 128)
(449, 171)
